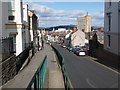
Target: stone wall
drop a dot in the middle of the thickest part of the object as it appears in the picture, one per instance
(8, 69)
(11, 66)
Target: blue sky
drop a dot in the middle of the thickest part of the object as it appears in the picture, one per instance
(65, 13)
(87, 6)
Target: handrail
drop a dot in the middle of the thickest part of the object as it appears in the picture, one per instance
(38, 79)
(67, 82)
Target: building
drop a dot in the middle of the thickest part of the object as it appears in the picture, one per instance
(84, 23)
(78, 38)
(112, 27)
(25, 22)
(13, 25)
(33, 27)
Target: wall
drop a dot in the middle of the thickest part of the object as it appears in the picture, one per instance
(4, 13)
(107, 56)
(0, 20)
(8, 70)
(114, 32)
(25, 19)
(114, 43)
(11, 66)
(97, 50)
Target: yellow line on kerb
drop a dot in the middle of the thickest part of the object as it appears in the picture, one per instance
(103, 65)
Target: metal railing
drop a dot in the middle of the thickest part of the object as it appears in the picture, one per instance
(6, 48)
(37, 82)
(67, 82)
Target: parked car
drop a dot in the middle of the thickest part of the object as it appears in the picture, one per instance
(75, 50)
(63, 46)
(69, 48)
(47, 42)
(85, 47)
(81, 52)
(77, 46)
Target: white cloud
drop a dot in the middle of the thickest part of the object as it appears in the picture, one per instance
(98, 15)
(52, 17)
(98, 18)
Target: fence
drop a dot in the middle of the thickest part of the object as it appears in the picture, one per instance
(38, 79)
(6, 48)
(67, 82)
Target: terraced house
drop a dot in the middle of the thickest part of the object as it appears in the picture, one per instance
(15, 24)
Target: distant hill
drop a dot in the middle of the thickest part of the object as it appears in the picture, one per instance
(62, 26)
(67, 27)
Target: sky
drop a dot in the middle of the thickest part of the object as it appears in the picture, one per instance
(66, 13)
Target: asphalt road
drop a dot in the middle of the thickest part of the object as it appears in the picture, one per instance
(84, 73)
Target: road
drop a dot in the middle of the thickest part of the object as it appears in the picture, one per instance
(84, 73)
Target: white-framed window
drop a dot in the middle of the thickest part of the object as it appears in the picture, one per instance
(11, 5)
(11, 10)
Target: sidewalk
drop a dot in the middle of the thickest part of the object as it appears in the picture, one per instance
(54, 74)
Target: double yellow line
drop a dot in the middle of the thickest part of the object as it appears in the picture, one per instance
(91, 59)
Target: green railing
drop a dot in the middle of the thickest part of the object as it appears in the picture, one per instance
(37, 82)
(67, 82)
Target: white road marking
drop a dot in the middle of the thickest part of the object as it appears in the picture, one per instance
(90, 83)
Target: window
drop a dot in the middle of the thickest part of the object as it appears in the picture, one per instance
(11, 17)
(109, 42)
(11, 10)
(14, 41)
(109, 21)
(110, 2)
(11, 5)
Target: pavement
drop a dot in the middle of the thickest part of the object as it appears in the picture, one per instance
(54, 77)
(86, 73)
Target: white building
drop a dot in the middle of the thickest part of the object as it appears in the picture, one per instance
(4, 19)
(12, 23)
(60, 30)
(25, 21)
(112, 27)
(67, 39)
(84, 23)
(32, 24)
(78, 38)
(33, 27)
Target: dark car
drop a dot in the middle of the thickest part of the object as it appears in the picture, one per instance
(75, 50)
(85, 47)
(69, 48)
